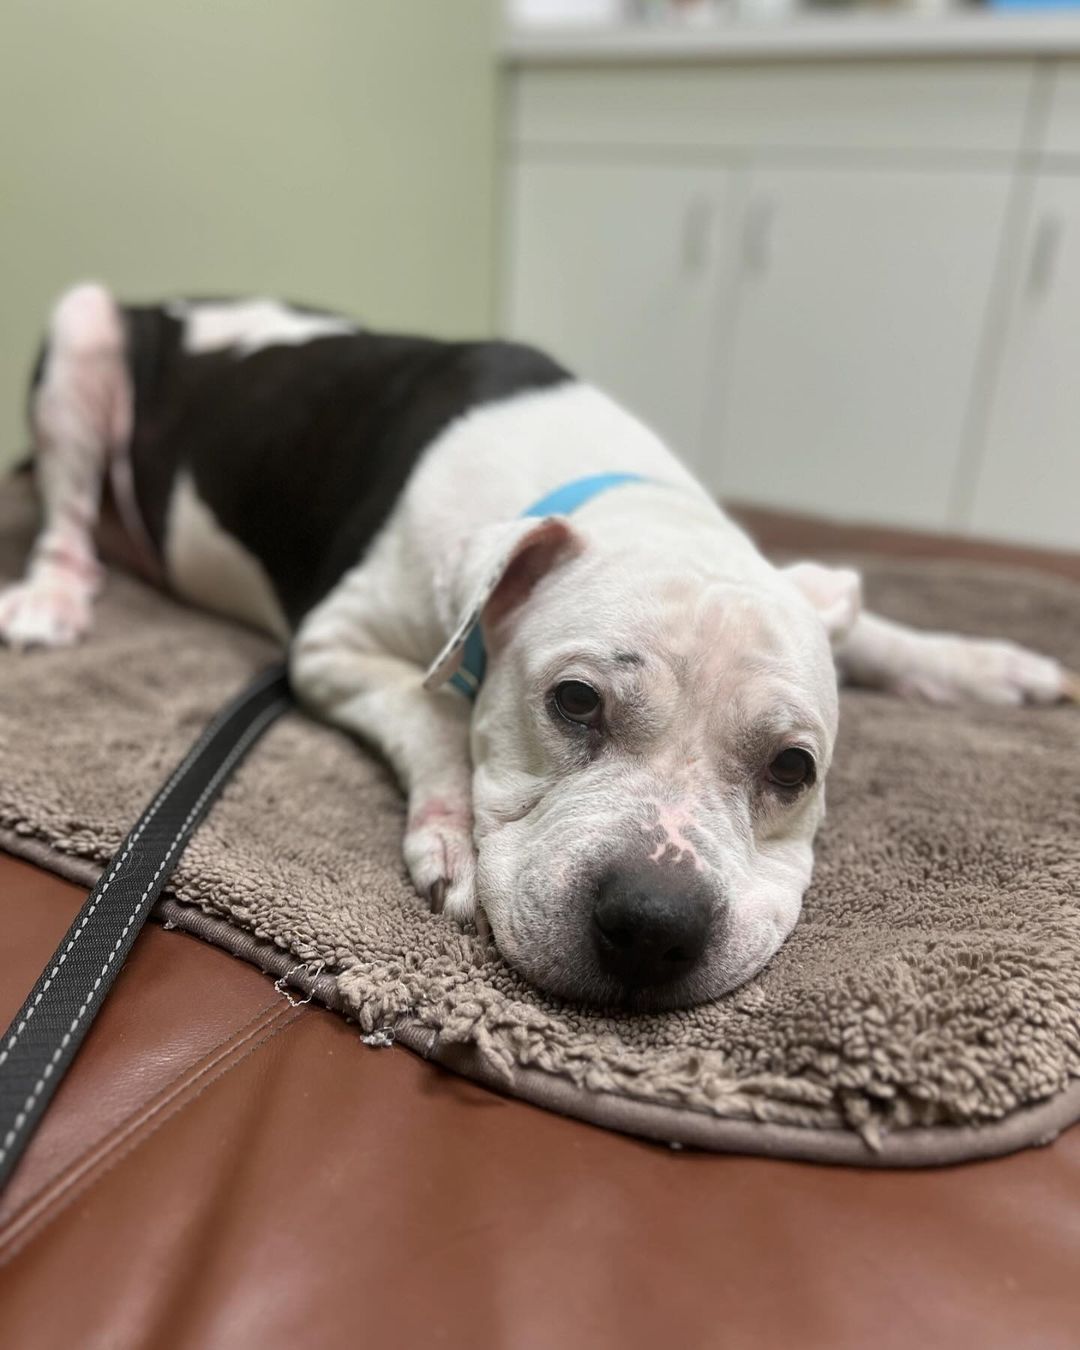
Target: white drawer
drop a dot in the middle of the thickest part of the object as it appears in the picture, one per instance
(876, 105)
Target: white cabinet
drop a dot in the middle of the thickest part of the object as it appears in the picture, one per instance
(1027, 486)
(861, 304)
(842, 287)
(617, 269)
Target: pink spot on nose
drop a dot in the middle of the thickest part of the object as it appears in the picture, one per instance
(674, 845)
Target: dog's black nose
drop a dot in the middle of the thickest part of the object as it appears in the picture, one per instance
(649, 927)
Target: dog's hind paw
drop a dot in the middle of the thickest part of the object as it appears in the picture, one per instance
(441, 859)
(45, 613)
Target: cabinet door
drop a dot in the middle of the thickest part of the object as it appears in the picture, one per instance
(862, 299)
(1027, 485)
(614, 268)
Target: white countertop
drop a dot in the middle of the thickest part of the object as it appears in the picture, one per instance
(838, 36)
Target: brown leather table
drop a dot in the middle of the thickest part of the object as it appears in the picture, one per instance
(222, 1169)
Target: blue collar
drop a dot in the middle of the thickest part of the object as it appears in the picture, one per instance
(469, 676)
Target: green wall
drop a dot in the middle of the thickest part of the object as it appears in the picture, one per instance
(335, 151)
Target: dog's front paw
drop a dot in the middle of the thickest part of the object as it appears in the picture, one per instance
(973, 670)
(441, 859)
(52, 611)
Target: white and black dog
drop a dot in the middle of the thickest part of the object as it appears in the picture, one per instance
(612, 716)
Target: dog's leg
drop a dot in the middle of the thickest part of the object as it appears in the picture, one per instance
(425, 736)
(944, 668)
(80, 409)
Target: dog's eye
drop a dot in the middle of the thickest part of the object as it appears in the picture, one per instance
(792, 768)
(578, 702)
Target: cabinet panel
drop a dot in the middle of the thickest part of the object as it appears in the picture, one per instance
(861, 305)
(615, 269)
(1027, 486)
(1062, 134)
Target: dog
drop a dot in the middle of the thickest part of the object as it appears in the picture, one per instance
(612, 717)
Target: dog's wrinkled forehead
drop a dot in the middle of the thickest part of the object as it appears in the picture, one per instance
(757, 652)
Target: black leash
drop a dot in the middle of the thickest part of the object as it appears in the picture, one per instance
(38, 1047)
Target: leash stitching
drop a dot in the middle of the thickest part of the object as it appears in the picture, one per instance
(253, 730)
(174, 778)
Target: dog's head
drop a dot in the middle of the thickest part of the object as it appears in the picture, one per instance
(650, 747)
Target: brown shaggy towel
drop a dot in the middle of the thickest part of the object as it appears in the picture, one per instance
(927, 1007)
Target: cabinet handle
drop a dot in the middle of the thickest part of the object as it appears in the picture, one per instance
(1044, 254)
(697, 234)
(757, 235)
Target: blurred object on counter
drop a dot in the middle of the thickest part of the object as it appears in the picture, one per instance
(562, 13)
(700, 13)
(1034, 5)
(767, 11)
(716, 14)
(937, 8)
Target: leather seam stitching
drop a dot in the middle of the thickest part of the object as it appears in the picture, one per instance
(144, 1111)
(73, 1191)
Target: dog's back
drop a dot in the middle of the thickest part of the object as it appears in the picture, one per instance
(262, 445)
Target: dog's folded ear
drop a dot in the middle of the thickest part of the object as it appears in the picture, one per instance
(494, 574)
(835, 592)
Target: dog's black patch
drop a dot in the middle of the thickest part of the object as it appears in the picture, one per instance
(302, 450)
(155, 359)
